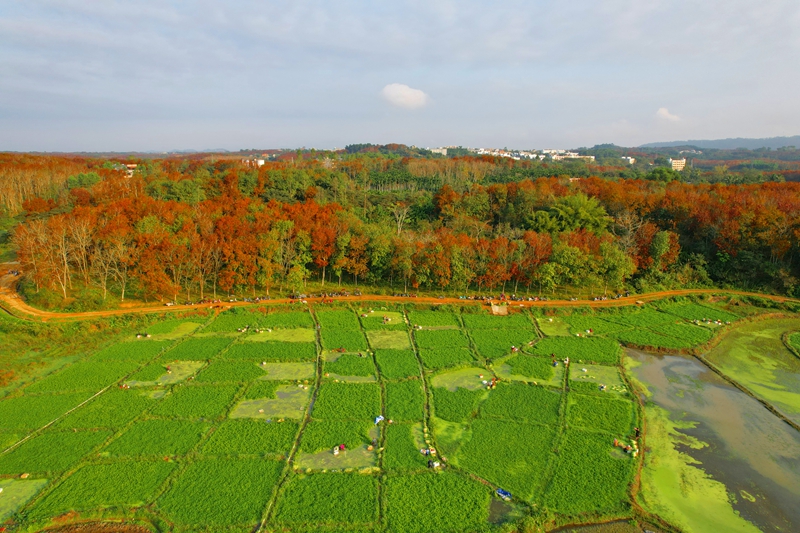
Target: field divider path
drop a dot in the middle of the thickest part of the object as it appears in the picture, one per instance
(287, 471)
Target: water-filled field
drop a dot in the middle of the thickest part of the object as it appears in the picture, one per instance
(352, 419)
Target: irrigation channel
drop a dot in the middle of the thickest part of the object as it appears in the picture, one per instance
(718, 459)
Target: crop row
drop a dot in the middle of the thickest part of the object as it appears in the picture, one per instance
(51, 452)
(341, 401)
(346, 340)
(456, 406)
(251, 437)
(531, 367)
(338, 320)
(493, 343)
(351, 365)
(486, 321)
(196, 401)
(592, 349)
(308, 500)
(404, 401)
(601, 413)
(441, 339)
(138, 351)
(234, 319)
(649, 338)
(85, 375)
(597, 325)
(433, 359)
(693, 311)
(433, 319)
(286, 319)
(30, 412)
(112, 409)
(198, 349)
(397, 364)
(401, 449)
(641, 318)
(523, 403)
(689, 334)
(273, 351)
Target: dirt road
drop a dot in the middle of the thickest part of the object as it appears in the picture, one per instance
(11, 301)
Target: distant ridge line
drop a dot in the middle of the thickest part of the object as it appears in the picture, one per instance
(732, 143)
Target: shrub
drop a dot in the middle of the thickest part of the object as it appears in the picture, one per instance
(434, 359)
(351, 365)
(51, 452)
(591, 349)
(326, 498)
(441, 339)
(30, 412)
(251, 437)
(198, 349)
(87, 375)
(600, 413)
(112, 409)
(435, 503)
(351, 341)
(273, 351)
(404, 401)
(493, 343)
(196, 401)
(508, 454)
(588, 477)
(401, 450)
(158, 437)
(347, 401)
(221, 492)
(522, 402)
(531, 367)
(92, 486)
(457, 405)
(397, 364)
(321, 435)
(433, 319)
(338, 320)
(238, 371)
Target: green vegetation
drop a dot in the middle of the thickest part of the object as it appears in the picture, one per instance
(487, 321)
(230, 371)
(31, 412)
(325, 434)
(233, 320)
(600, 414)
(433, 319)
(531, 367)
(457, 405)
(442, 358)
(272, 351)
(579, 349)
(137, 351)
(351, 365)
(283, 401)
(446, 339)
(402, 451)
(389, 340)
(169, 326)
(693, 311)
(508, 454)
(251, 437)
(397, 364)
(493, 343)
(404, 401)
(435, 503)
(16, 493)
(158, 437)
(342, 401)
(196, 401)
(112, 409)
(87, 375)
(794, 341)
(590, 475)
(221, 492)
(127, 484)
(51, 452)
(286, 319)
(522, 402)
(338, 320)
(349, 341)
(316, 499)
(198, 349)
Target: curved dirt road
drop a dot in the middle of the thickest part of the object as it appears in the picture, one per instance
(12, 303)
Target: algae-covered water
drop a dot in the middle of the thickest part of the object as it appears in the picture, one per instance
(716, 459)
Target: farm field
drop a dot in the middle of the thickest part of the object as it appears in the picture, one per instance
(344, 420)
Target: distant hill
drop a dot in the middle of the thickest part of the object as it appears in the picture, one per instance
(732, 144)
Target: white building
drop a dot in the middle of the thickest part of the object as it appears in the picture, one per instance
(678, 164)
(629, 160)
(440, 151)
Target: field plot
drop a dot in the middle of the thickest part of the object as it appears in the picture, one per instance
(283, 335)
(338, 320)
(690, 335)
(383, 320)
(471, 378)
(579, 349)
(346, 340)
(397, 364)
(649, 338)
(158, 437)
(389, 340)
(221, 492)
(583, 324)
(51, 452)
(402, 448)
(196, 401)
(112, 409)
(272, 351)
(159, 374)
(137, 351)
(433, 359)
(441, 339)
(693, 311)
(522, 402)
(32, 412)
(640, 319)
(328, 499)
(458, 405)
(553, 326)
(230, 371)
(286, 319)
(16, 493)
(590, 475)
(404, 401)
(588, 379)
(487, 321)
(198, 349)
(175, 327)
(322, 435)
(251, 437)
(342, 401)
(350, 365)
(84, 376)
(233, 319)
(600, 414)
(530, 367)
(509, 454)
(433, 319)
(288, 371)
(287, 401)
(440, 502)
(493, 343)
(126, 484)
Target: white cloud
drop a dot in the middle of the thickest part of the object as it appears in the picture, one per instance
(664, 114)
(401, 95)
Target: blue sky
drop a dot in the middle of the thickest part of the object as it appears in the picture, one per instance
(80, 75)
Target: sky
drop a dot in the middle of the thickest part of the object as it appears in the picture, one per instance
(163, 75)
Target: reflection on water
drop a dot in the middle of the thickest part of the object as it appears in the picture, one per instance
(755, 454)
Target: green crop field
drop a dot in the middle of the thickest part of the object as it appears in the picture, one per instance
(398, 426)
